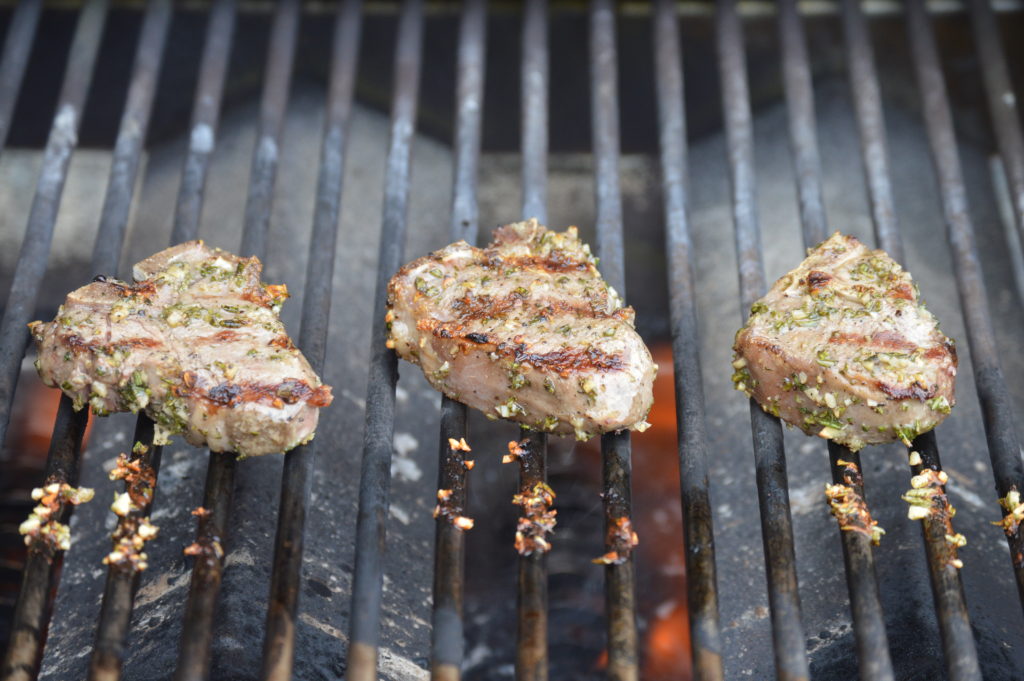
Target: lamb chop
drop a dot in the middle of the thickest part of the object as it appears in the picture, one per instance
(843, 347)
(196, 343)
(525, 330)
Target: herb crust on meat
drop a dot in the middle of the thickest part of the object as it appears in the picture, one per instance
(525, 329)
(843, 347)
(195, 342)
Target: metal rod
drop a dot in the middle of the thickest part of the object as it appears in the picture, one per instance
(31, 266)
(213, 69)
(131, 137)
(65, 445)
(532, 582)
(873, 657)
(447, 641)
(122, 581)
(997, 410)
(17, 45)
(194, 655)
(197, 630)
(868, 620)
(947, 588)
(1013, 241)
(769, 456)
(469, 104)
(803, 131)
(276, 85)
(1002, 102)
(378, 436)
(32, 611)
(698, 531)
(532, 585)
(620, 594)
(867, 102)
(534, 88)
(297, 477)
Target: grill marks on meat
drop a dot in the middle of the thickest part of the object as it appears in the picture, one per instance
(196, 343)
(524, 329)
(842, 347)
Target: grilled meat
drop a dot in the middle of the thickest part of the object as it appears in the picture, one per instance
(196, 342)
(842, 347)
(526, 330)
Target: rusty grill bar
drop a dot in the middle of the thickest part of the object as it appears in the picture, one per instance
(447, 643)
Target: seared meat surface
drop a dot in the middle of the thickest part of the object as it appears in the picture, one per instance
(196, 342)
(525, 330)
(842, 347)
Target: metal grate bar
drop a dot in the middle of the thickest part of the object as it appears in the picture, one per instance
(532, 594)
(297, 477)
(197, 630)
(69, 428)
(447, 640)
(220, 476)
(32, 611)
(268, 138)
(862, 583)
(17, 46)
(997, 410)
(532, 588)
(213, 69)
(534, 86)
(803, 131)
(28, 273)
(950, 604)
(769, 456)
(122, 582)
(620, 597)
(867, 101)
(378, 436)
(1002, 103)
(116, 616)
(698, 532)
(947, 588)
(131, 137)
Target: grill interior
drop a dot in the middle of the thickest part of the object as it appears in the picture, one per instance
(680, 184)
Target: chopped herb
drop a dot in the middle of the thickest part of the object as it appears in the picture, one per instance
(939, 404)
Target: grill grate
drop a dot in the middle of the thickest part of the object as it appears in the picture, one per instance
(447, 644)
(196, 638)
